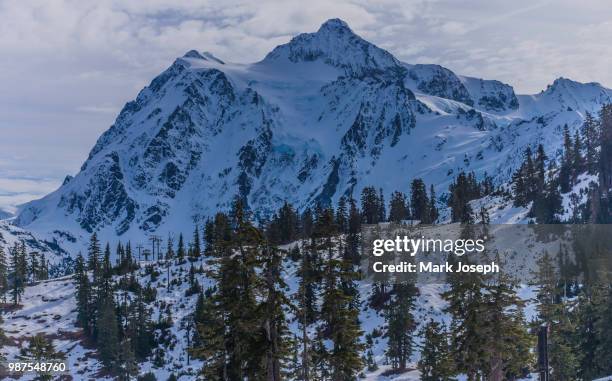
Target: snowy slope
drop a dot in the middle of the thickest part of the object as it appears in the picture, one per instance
(49, 307)
(53, 250)
(4, 214)
(319, 117)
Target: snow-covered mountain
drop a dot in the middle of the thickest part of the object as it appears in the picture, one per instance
(4, 214)
(319, 117)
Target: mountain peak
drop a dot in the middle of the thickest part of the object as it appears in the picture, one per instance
(335, 25)
(337, 45)
(206, 56)
(193, 54)
(563, 82)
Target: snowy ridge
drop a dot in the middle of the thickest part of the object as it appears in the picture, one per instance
(319, 117)
(53, 249)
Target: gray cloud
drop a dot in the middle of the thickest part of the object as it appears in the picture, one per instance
(67, 66)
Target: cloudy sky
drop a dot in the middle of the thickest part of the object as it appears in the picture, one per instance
(68, 66)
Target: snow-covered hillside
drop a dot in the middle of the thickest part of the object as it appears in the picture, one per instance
(49, 308)
(4, 214)
(319, 117)
(54, 252)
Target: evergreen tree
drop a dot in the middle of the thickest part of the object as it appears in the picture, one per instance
(180, 252)
(464, 189)
(436, 363)
(339, 312)
(419, 202)
(195, 248)
(382, 212)
(306, 223)
(398, 208)
(433, 209)
(142, 327)
(540, 170)
(83, 295)
(128, 367)
(353, 234)
(590, 132)
(465, 302)
(209, 343)
(370, 206)
(577, 158)
(41, 350)
(287, 219)
(604, 214)
(170, 248)
(4, 285)
(43, 269)
(563, 357)
(93, 259)
(565, 172)
(20, 271)
(34, 266)
(342, 215)
(507, 345)
(603, 329)
(275, 339)
(401, 323)
(108, 341)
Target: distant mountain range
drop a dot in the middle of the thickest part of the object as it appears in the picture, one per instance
(319, 117)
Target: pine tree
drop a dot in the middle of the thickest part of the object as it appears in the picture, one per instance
(565, 172)
(83, 295)
(419, 202)
(465, 301)
(287, 218)
(586, 337)
(180, 252)
(143, 338)
(93, 259)
(275, 341)
(353, 242)
(128, 367)
(34, 266)
(41, 350)
(577, 159)
(540, 169)
(43, 273)
(195, 248)
(169, 248)
(19, 266)
(401, 323)
(605, 166)
(590, 131)
(436, 363)
(342, 215)
(563, 357)
(508, 343)
(209, 343)
(370, 206)
(433, 209)
(603, 329)
(382, 212)
(4, 285)
(462, 191)
(339, 312)
(235, 299)
(398, 210)
(108, 337)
